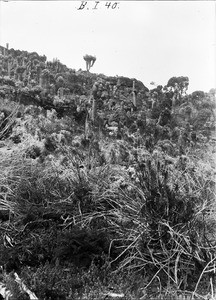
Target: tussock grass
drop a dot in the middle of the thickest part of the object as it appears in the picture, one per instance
(8, 121)
(156, 221)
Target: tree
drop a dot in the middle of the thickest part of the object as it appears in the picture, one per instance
(9, 64)
(204, 115)
(19, 72)
(200, 100)
(212, 91)
(165, 117)
(198, 95)
(179, 84)
(134, 95)
(60, 82)
(90, 60)
(45, 78)
(94, 101)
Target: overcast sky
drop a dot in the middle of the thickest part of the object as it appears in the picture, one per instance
(147, 40)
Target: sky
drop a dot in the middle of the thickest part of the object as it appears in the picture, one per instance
(151, 41)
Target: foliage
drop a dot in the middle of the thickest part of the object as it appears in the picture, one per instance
(180, 83)
(125, 200)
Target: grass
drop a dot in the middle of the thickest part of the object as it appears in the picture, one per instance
(147, 225)
(83, 219)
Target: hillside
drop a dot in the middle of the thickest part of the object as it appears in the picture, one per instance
(107, 188)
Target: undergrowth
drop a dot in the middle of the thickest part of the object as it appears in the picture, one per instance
(156, 219)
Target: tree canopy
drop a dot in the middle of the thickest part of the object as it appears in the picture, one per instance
(90, 60)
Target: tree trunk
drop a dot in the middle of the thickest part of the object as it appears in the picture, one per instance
(9, 68)
(134, 95)
(93, 110)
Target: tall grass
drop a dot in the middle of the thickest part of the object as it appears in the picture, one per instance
(8, 114)
(158, 222)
